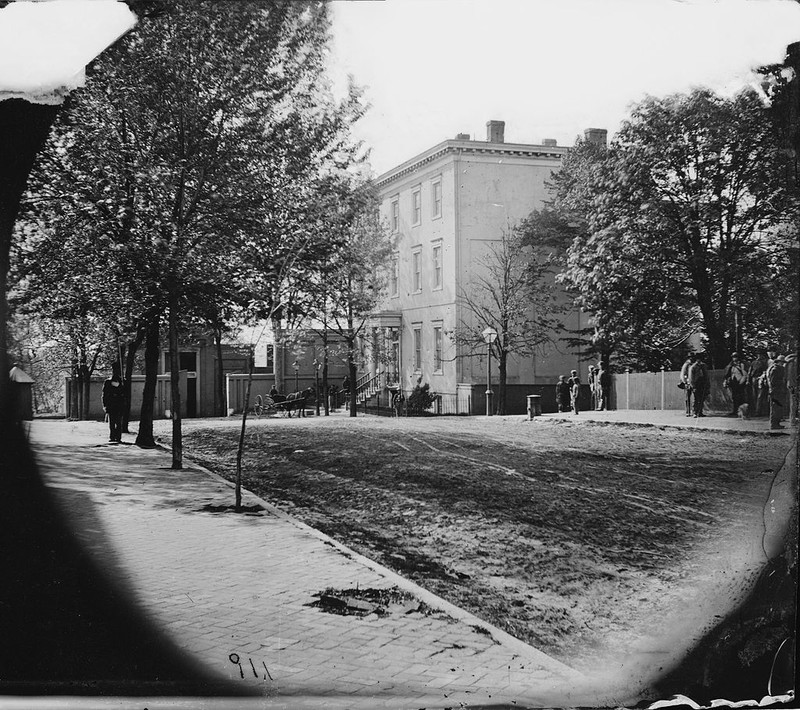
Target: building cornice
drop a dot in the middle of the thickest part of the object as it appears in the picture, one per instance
(469, 147)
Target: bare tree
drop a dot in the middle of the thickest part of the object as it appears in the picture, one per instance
(509, 291)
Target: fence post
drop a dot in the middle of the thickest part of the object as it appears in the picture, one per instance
(663, 391)
(627, 388)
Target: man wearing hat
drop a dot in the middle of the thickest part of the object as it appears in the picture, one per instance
(698, 381)
(776, 384)
(791, 385)
(574, 389)
(684, 383)
(593, 385)
(758, 388)
(734, 379)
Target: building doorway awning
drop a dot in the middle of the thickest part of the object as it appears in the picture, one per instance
(385, 319)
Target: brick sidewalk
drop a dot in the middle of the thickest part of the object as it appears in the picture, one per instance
(231, 587)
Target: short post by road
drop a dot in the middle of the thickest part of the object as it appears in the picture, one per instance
(489, 336)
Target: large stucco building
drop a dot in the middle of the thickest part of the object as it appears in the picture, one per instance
(445, 208)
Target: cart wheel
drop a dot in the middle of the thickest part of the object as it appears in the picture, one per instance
(268, 407)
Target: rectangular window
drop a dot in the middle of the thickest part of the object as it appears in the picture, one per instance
(416, 206)
(395, 216)
(437, 347)
(437, 266)
(436, 199)
(394, 275)
(417, 348)
(416, 269)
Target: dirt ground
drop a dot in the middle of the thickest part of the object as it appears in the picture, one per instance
(581, 539)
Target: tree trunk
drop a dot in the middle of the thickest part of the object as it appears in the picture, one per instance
(175, 381)
(502, 368)
(130, 357)
(352, 373)
(219, 393)
(144, 438)
(279, 356)
(240, 448)
(74, 409)
(325, 388)
(86, 388)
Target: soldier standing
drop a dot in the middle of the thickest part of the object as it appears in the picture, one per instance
(593, 385)
(758, 389)
(776, 383)
(563, 394)
(574, 390)
(114, 403)
(603, 379)
(687, 388)
(791, 386)
(735, 379)
(698, 381)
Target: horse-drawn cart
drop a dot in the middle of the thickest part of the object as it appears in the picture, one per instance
(283, 404)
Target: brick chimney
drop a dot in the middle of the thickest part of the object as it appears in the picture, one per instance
(598, 136)
(549, 141)
(462, 136)
(495, 131)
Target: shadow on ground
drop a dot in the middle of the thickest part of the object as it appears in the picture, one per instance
(66, 627)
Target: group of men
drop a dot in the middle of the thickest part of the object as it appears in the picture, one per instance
(568, 390)
(766, 385)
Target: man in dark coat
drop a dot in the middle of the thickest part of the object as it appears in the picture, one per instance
(574, 390)
(734, 378)
(562, 394)
(603, 379)
(698, 381)
(776, 383)
(114, 403)
(687, 388)
(758, 387)
(593, 385)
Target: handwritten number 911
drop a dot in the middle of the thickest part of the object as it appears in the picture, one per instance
(237, 661)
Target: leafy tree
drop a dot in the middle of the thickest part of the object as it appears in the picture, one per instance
(354, 275)
(509, 291)
(679, 220)
(185, 133)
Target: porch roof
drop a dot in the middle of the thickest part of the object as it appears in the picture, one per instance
(385, 319)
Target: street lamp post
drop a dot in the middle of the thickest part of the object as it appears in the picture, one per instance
(317, 368)
(296, 367)
(489, 336)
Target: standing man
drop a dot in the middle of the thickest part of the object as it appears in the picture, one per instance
(563, 394)
(776, 383)
(593, 385)
(114, 403)
(791, 386)
(687, 388)
(734, 378)
(758, 389)
(574, 382)
(698, 381)
(603, 379)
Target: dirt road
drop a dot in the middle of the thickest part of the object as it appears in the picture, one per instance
(590, 542)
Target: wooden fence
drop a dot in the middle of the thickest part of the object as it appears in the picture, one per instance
(659, 390)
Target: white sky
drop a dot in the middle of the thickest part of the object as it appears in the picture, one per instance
(548, 68)
(44, 46)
